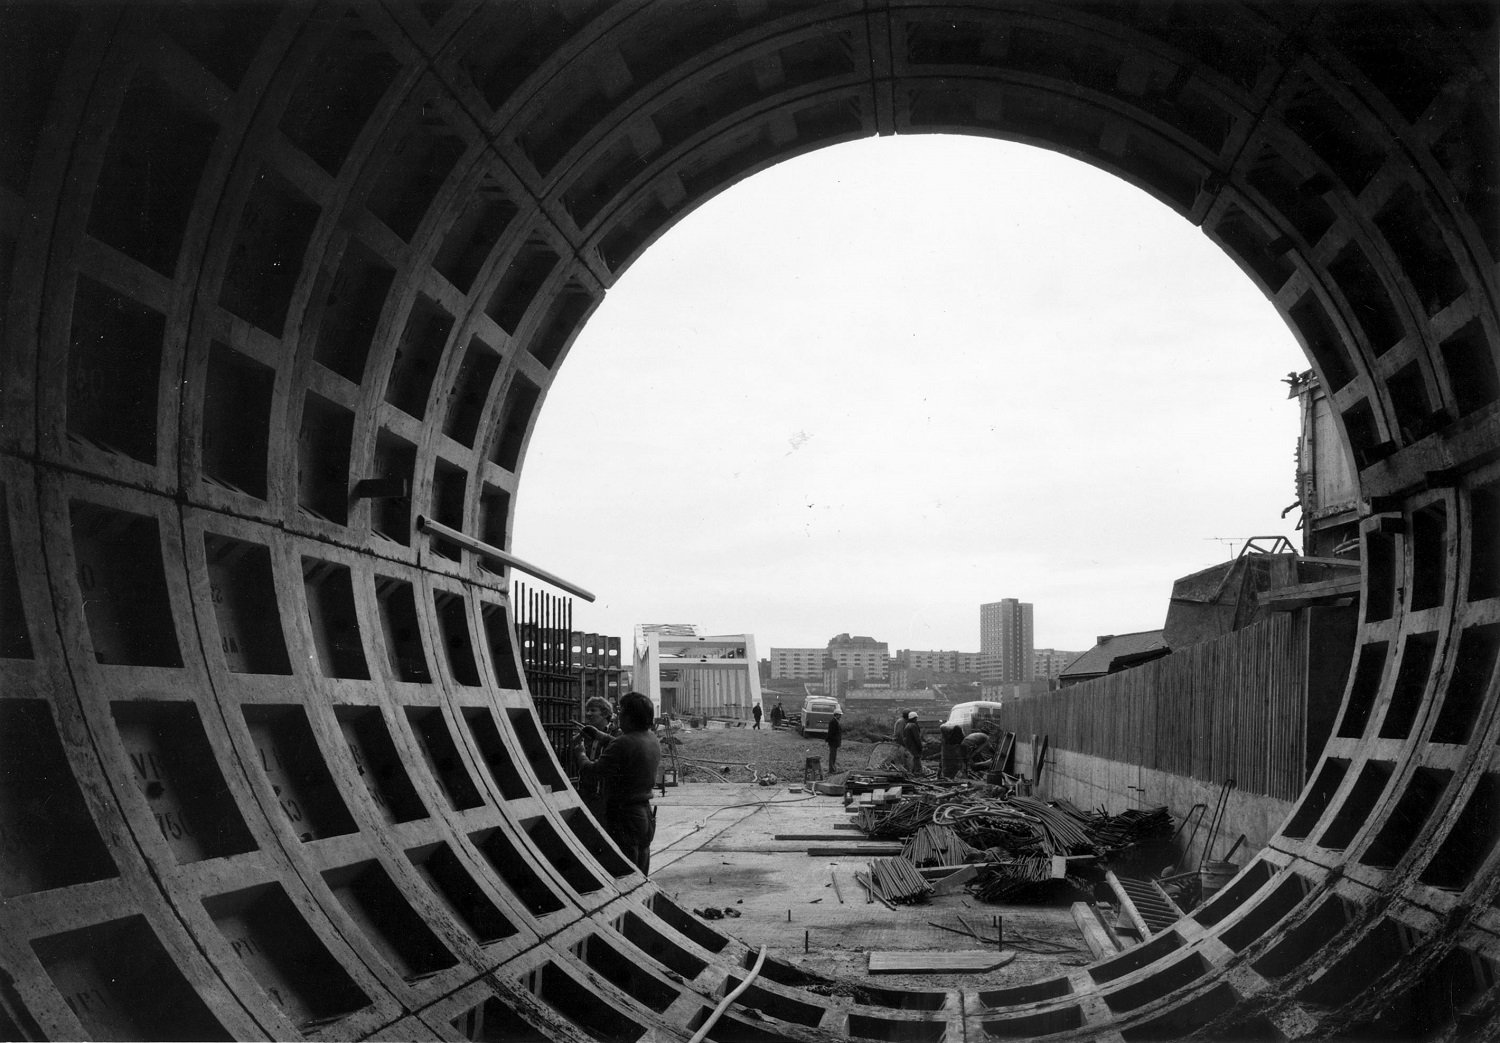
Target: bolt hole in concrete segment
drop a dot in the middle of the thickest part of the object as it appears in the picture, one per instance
(716, 847)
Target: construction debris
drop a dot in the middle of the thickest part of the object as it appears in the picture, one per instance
(1026, 849)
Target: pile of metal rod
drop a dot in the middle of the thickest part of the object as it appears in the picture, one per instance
(895, 880)
(1063, 830)
(908, 816)
(1018, 825)
(998, 890)
(1002, 877)
(934, 845)
(1129, 828)
(1015, 838)
(1022, 880)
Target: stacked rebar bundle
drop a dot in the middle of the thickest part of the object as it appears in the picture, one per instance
(934, 845)
(1024, 880)
(902, 821)
(1062, 829)
(1018, 825)
(1129, 828)
(1003, 875)
(895, 880)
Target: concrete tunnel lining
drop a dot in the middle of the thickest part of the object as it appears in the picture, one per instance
(258, 254)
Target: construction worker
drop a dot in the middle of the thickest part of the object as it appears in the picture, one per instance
(975, 749)
(595, 732)
(911, 738)
(835, 736)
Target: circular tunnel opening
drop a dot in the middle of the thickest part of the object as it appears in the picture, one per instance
(283, 279)
(898, 372)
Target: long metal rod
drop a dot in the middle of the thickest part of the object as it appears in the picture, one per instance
(489, 551)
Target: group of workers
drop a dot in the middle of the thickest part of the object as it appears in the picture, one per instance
(619, 758)
(618, 761)
(959, 753)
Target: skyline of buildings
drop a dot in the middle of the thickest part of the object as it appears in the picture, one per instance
(1006, 654)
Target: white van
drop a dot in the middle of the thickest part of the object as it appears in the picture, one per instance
(969, 716)
(817, 711)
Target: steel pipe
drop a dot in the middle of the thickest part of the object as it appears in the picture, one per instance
(427, 525)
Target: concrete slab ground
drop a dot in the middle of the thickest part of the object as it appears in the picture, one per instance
(715, 846)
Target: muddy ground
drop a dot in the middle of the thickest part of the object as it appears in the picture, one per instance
(748, 754)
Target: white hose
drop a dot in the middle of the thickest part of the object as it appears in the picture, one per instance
(724, 1005)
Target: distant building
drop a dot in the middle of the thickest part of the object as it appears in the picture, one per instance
(1048, 663)
(1005, 641)
(865, 657)
(933, 661)
(596, 664)
(797, 663)
(897, 674)
(1002, 693)
(940, 661)
(687, 673)
(884, 702)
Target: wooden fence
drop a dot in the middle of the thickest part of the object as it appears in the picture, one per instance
(1234, 707)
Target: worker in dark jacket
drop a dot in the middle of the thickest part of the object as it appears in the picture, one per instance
(626, 772)
(835, 737)
(911, 738)
(595, 732)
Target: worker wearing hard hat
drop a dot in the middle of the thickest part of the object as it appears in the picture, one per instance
(911, 738)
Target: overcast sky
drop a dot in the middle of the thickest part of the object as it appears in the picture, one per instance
(872, 387)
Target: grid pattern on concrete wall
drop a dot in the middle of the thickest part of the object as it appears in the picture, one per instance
(280, 280)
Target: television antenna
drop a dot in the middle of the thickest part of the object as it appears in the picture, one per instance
(1229, 543)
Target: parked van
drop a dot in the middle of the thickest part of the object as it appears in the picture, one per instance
(975, 715)
(817, 711)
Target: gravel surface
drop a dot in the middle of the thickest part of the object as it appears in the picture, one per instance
(749, 753)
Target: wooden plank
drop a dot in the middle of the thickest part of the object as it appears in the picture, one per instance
(955, 880)
(1285, 599)
(841, 838)
(929, 961)
(857, 850)
(1094, 934)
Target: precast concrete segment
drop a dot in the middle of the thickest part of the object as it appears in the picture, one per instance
(270, 767)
